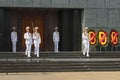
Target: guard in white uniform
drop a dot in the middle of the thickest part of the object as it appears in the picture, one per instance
(37, 41)
(14, 39)
(85, 41)
(28, 41)
(56, 40)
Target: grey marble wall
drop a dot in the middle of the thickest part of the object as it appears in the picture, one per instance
(106, 19)
(102, 17)
(61, 3)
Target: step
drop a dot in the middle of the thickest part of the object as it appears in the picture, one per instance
(62, 55)
(61, 65)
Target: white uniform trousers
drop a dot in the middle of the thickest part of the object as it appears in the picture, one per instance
(56, 46)
(28, 49)
(14, 46)
(36, 50)
(86, 47)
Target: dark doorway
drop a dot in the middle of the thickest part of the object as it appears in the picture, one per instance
(33, 19)
(70, 29)
(46, 20)
(68, 21)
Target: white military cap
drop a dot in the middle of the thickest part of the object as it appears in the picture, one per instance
(27, 27)
(85, 28)
(13, 27)
(36, 28)
(56, 28)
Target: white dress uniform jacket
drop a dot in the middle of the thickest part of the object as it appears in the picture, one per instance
(37, 42)
(28, 42)
(14, 40)
(56, 40)
(85, 42)
(28, 38)
(37, 38)
(56, 36)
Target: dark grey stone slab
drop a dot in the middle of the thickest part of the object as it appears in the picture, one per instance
(90, 17)
(41, 3)
(23, 3)
(113, 3)
(78, 3)
(113, 18)
(60, 3)
(96, 3)
(6, 3)
(102, 16)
